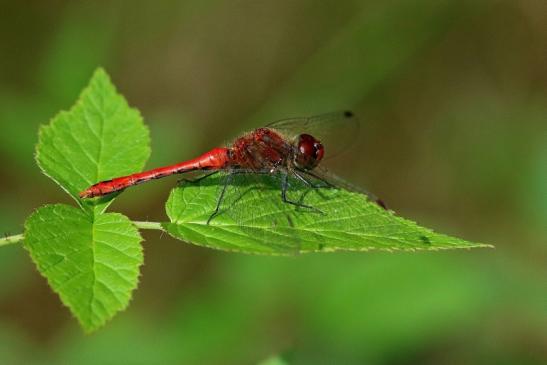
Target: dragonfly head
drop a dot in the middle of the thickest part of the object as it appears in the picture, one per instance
(308, 153)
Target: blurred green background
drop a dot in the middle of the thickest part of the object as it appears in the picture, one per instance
(452, 96)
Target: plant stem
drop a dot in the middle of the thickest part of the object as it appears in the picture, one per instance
(16, 238)
(8, 240)
(148, 225)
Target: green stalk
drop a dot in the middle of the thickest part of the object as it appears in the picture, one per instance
(8, 240)
(16, 238)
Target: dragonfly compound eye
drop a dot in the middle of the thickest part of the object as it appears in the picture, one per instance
(310, 152)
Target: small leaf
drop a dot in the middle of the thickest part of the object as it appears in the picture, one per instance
(99, 138)
(92, 264)
(253, 219)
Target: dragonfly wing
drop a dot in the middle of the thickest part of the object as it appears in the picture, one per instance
(323, 175)
(253, 218)
(254, 204)
(337, 131)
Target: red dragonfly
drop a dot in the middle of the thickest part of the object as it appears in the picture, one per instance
(290, 147)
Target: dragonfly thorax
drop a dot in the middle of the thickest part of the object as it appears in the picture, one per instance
(262, 149)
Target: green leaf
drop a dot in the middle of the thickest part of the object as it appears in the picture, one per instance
(99, 138)
(92, 264)
(253, 219)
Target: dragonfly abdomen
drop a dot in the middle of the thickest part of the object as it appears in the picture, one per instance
(215, 159)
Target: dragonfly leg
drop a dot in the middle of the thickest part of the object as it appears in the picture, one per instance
(371, 196)
(196, 180)
(327, 184)
(284, 188)
(227, 182)
(301, 176)
(304, 180)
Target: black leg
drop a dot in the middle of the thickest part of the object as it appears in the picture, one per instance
(301, 176)
(304, 176)
(198, 179)
(221, 196)
(371, 196)
(284, 187)
(327, 184)
(303, 179)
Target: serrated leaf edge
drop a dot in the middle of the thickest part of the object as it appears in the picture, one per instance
(87, 329)
(77, 103)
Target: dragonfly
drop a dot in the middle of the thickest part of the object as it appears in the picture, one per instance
(287, 148)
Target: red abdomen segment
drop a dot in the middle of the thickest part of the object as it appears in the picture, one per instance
(215, 159)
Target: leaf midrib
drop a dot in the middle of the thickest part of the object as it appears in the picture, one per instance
(93, 268)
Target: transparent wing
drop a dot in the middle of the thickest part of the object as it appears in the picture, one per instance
(324, 175)
(252, 208)
(253, 203)
(337, 131)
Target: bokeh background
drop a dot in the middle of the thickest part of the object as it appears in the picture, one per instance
(452, 96)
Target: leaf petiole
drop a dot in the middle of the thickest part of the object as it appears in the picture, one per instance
(148, 225)
(8, 240)
(16, 238)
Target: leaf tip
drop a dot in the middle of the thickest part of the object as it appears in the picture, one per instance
(100, 72)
